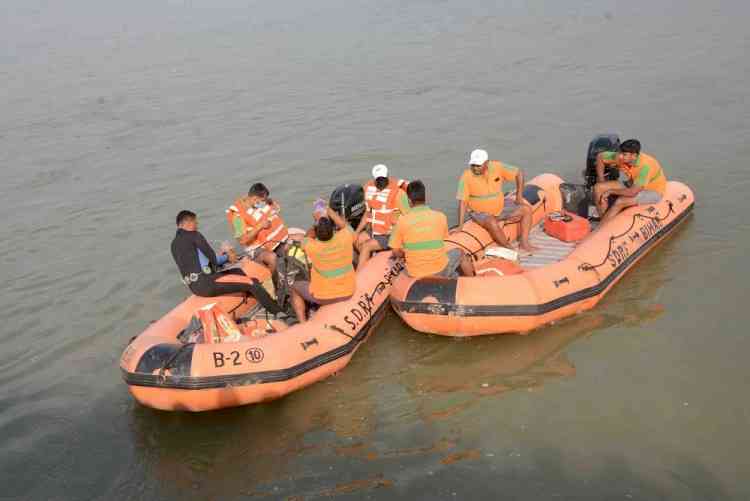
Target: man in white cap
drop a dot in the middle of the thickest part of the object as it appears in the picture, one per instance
(386, 201)
(480, 194)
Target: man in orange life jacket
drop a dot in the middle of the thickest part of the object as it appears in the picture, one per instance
(645, 185)
(419, 238)
(257, 225)
(330, 253)
(386, 201)
(480, 191)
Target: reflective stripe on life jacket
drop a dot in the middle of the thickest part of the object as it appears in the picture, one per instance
(268, 238)
(382, 205)
(421, 233)
(332, 273)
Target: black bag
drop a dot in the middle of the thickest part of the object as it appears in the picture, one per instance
(576, 198)
(290, 268)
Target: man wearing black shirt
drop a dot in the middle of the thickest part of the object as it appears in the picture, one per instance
(199, 264)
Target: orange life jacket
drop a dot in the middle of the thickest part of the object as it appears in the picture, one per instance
(268, 238)
(383, 209)
(218, 326)
(331, 271)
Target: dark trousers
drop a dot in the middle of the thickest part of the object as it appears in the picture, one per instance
(207, 286)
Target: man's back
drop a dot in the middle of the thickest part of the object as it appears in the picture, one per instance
(332, 274)
(420, 233)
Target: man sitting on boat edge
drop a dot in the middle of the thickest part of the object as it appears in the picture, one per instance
(330, 253)
(419, 236)
(257, 225)
(480, 193)
(645, 185)
(199, 265)
(385, 201)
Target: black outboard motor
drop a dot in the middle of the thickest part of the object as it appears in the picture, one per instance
(349, 201)
(578, 197)
(601, 142)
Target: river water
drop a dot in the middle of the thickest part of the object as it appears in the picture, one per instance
(115, 115)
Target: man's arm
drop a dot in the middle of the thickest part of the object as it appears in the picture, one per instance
(519, 187)
(635, 188)
(631, 191)
(202, 244)
(604, 158)
(339, 221)
(462, 194)
(403, 202)
(627, 192)
(461, 212)
(362, 222)
(395, 242)
(275, 207)
(249, 237)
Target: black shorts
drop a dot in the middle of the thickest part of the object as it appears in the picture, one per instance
(382, 240)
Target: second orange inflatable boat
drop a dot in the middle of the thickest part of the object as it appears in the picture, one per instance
(165, 371)
(560, 280)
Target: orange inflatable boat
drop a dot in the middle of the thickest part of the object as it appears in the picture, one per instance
(561, 279)
(165, 369)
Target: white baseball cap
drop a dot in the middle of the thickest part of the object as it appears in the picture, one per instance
(379, 170)
(478, 157)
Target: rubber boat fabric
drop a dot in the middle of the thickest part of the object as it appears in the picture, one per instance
(164, 373)
(547, 290)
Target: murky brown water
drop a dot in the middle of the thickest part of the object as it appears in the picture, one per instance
(117, 114)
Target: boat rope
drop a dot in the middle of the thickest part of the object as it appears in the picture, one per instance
(482, 246)
(472, 254)
(479, 242)
(244, 300)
